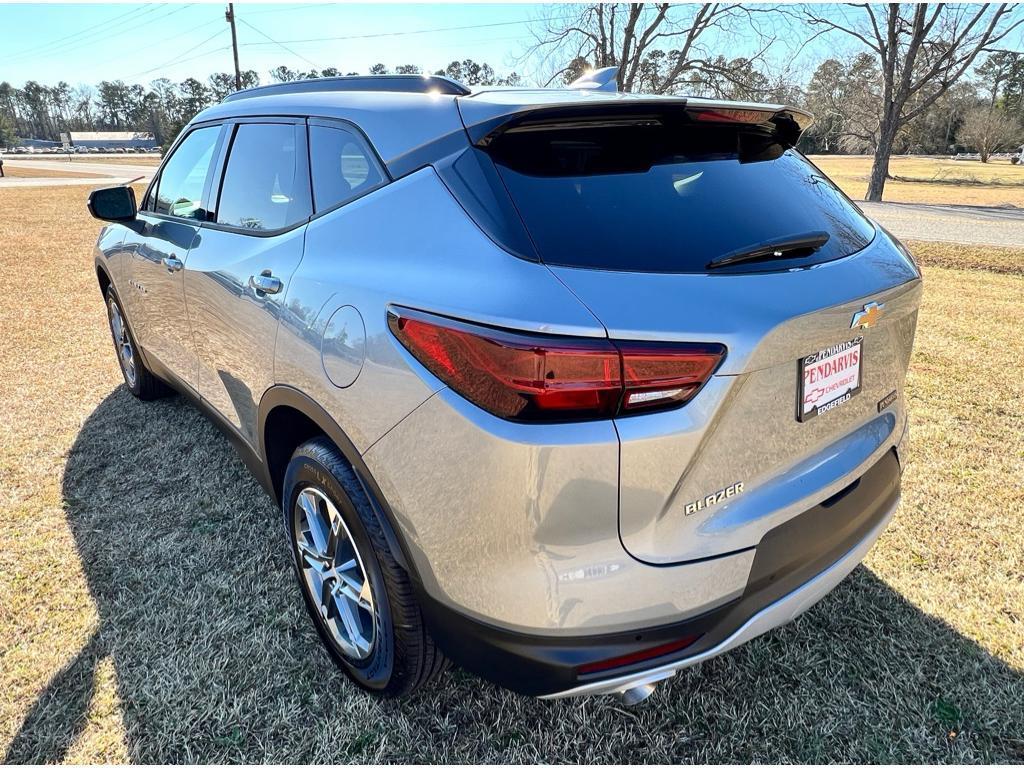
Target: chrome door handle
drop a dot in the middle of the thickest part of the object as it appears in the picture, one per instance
(172, 264)
(265, 283)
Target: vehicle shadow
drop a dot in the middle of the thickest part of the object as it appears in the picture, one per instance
(215, 660)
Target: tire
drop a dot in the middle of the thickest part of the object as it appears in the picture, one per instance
(139, 380)
(401, 655)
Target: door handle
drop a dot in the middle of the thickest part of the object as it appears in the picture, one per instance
(265, 283)
(172, 264)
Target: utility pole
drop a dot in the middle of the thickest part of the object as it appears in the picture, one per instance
(229, 14)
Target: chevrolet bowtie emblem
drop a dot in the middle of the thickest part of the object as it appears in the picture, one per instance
(868, 316)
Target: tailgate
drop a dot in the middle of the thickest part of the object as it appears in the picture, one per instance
(713, 477)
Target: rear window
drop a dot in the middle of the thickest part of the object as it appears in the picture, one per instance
(650, 198)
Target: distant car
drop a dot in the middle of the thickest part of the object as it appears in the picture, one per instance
(575, 388)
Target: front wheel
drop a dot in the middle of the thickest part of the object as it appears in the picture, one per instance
(359, 598)
(137, 377)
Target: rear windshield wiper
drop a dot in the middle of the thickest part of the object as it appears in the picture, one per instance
(793, 246)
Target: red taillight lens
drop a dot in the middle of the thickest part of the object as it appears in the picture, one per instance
(660, 374)
(723, 115)
(530, 377)
(516, 376)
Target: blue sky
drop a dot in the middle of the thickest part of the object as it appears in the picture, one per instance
(137, 43)
(87, 43)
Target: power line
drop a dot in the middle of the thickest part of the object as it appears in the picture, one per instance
(289, 9)
(279, 44)
(163, 41)
(105, 34)
(91, 38)
(178, 56)
(42, 48)
(394, 34)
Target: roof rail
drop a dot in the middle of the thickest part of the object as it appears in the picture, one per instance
(393, 83)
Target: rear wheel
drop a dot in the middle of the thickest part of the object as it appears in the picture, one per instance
(139, 380)
(359, 598)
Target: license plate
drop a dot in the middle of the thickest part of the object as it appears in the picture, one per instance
(828, 378)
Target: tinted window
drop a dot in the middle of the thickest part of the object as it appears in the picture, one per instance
(265, 185)
(180, 190)
(653, 199)
(343, 166)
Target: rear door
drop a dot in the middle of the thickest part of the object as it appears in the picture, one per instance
(239, 268)
(689, 227)
(157, 249)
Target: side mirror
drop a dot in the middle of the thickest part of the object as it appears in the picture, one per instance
(113, 204)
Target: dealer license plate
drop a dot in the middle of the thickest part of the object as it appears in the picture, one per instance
(829, 377)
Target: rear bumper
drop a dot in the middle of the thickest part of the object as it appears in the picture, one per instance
(783, 610)
(795, 565)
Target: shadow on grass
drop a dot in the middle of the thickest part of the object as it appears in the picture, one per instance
(215, 660)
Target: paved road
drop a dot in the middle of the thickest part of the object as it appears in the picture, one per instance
(967, 224)
(105, 174)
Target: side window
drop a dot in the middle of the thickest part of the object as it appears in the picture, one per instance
(180, 189)
(343, 166)
(264, 184)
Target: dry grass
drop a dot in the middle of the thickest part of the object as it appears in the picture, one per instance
(1007, 261)
(148, 611)
(931, 180)
(124, 159)
(23, 172)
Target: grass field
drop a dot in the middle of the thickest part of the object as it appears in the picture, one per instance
(931, 179)
(134, 159)
(148, 610)
(917, 179)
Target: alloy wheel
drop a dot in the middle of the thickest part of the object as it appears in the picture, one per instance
(333, 573)
(123, 342)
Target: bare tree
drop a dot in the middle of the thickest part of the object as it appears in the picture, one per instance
(659, 47)
(989, 130)
(922, 50)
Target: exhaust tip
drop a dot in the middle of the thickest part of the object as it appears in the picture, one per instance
(633, 696)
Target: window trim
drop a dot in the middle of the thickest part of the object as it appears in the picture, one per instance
(371, 154)
(149, 199)
(215, 180)
(302, 172)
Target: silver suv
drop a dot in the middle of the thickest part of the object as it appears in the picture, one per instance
(574, 388)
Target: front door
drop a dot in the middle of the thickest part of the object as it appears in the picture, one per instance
(157, 249)
(238, 270)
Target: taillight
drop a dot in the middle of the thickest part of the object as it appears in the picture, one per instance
(658, 375)
(534, 377)
(723, 115)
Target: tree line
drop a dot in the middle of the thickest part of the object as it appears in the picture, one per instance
(43, 112)
(928, 78)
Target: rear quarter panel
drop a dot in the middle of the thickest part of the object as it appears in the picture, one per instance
(408, 243)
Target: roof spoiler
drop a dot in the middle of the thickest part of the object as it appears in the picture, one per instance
(484, 127)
